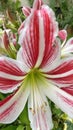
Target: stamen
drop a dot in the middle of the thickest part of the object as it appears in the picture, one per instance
(32, 110)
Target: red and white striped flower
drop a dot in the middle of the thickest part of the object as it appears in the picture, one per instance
(67, 46)
(4, 40)
(37, 72)
(8, 43)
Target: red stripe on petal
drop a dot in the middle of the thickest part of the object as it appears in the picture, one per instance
(10, 74)
(12, 106)
(10, 67)
(26, 11)
(62, 99)
(6, 112)
(68, 89)
(6, 84)
(37, 4)
(53, 58)
(31, 42)
(65, 66)
(44, 120)
(49, 32)
(5, 100)
(63, 74)
(62, 34)
(6, 40)
(30, 37)
(64, 80)
(66, 100)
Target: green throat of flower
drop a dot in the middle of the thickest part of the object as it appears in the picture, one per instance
(35, 77)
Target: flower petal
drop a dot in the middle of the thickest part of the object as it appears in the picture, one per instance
(50, 31)
(37, 4)
(38, 35)
(8, 86)
(38, 109)
(41, 116)
(67, 49)
(12, 106)
(5, 40)
(21, 27)
(30, 41)
(53, 58)
(11, 66)
(68, 89)
(41, 41)
(63, 73)
(11, 74)
(62, 34)
(26, 11)
(62, 99)
(23, 59)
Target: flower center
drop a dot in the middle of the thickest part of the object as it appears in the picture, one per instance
(35, 74)
(36, 81)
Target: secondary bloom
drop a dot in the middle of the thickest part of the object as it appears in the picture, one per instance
(7, 43)
(67, 46)
(37, 73)
(4, 40)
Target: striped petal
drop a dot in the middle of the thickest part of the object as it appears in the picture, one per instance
(37, 4)
(38, 109)
(62, 99)
(40, 116)
(67, 49)
(63, 73)
(11, 74)
(12, 106)
(53, 58)
(62, 34)
(39, 35)
(21, 27)
(21, 56)
(5, 40)
(26, 11)
(30, 41)
(68, 89)
(50, 31)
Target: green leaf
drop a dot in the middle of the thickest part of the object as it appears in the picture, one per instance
(69, 125)
(24, 116)
(20, 127)
(11, 127)
(28, 128)
(1, 96)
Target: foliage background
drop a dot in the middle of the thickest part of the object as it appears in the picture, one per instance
(11, 17)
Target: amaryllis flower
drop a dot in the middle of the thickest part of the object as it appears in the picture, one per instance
(4, 41)
(37, 73)
(7, 43)
(67, 45)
